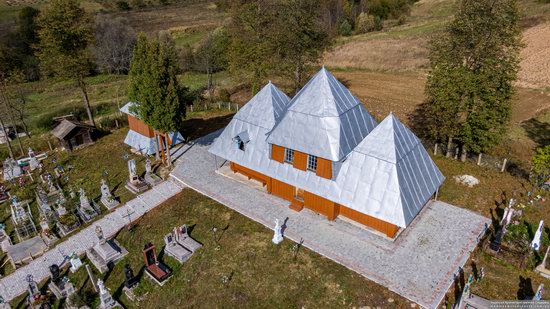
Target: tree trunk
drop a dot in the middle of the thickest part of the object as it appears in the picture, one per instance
(464, 153)
(25, 128)
(7, 138)
(168, 155)
(8, 107)
(82, 86)
(157, 155)
(449, 143)
(210, 86)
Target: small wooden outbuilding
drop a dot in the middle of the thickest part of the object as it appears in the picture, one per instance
(73, 134)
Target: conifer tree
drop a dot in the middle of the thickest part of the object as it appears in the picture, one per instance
(155, 87)
(473, 64)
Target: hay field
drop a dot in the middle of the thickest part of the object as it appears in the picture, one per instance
(404, 48)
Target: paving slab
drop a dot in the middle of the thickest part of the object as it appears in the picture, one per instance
(419, 264)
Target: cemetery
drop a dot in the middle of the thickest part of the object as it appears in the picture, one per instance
(47, 196)
(208, 236)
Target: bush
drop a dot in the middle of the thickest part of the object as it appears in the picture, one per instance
(365, 23)
(224, 95)
(401, 20)
(122, 6)
(345, 28)
(379, 23)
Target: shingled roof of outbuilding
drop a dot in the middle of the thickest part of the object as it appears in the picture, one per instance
(66, 126)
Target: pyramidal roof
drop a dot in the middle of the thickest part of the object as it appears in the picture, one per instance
(389, 141)
(266, 108)
(324, 119)
(397, 175)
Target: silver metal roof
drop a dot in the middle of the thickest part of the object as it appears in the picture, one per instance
(324, 119)
(388, 175)
(127, 109)
(266, 108)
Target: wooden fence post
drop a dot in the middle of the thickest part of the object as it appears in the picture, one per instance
(116, 123)
(479, 159)
(229, 105)
(50, 145)
(435, 149)
(504, 165)
(456, 153)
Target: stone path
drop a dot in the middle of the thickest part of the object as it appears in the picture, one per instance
(15, 284)
(419, 265)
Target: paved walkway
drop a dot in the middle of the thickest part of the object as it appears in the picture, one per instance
(419, 265)
(15, 284)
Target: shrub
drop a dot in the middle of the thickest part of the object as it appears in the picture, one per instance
(224, 95)
(122, 6)
(379, 23)
(345, 28)
(365, 23)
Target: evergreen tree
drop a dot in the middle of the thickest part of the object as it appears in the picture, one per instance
(473, 65)
(66, 32)
(154, 85)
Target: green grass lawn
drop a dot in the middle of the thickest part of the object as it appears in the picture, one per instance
(259, 273)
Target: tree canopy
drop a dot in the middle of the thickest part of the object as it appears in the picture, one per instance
(154, 85)
(276, 38)
(66, 32)
(473, 64)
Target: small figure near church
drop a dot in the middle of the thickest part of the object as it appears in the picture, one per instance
(278, 235)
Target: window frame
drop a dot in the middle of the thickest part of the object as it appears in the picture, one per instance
(311, 164)
(287, 152)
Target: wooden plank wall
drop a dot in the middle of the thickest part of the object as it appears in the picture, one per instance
(321, 205)
(324, 168)
(300, 160)
(140, 127)
(387, 228)
(277, 153)
(282, 190)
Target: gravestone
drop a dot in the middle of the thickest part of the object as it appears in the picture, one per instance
(33, 162)
(535, 244)
(150, 177)
(277, 233)
(135, 184)
(106, 252)
(12, 169)
(107, 198)
(85, 210)
(76, 263)
(22, 220)
(106, 301)
(46, 233)
(60, 286)
(67, 222)
(5, 240)
(4, 304)
(3, 195)
(130, 283)
(156, 270)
